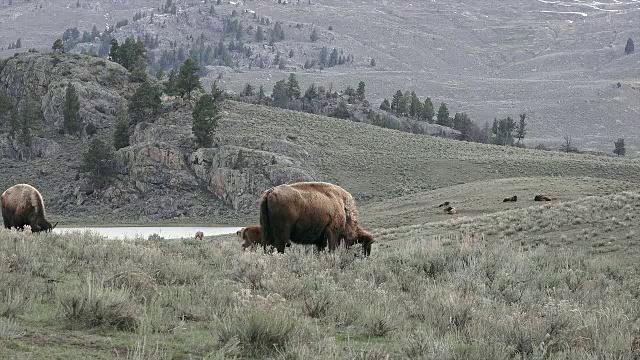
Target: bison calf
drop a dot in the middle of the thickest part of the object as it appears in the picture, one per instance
(450, 210)
(199, 235)
(252, 236)
(22, 205)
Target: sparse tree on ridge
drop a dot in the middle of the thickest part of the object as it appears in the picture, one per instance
(360, 91)
(188, 79)
(521, 130)
(205, 120)
(71, 110)
(121, 133)
(443, 115)
(620, 148)
(629, 48)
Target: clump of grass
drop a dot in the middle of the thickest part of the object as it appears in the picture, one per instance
(257, 332)
(94, 305)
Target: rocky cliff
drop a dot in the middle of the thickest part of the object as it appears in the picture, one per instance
(161, 175)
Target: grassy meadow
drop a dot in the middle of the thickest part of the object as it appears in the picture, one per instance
(555, 281)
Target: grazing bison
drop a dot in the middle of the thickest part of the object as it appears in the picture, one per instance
(541, 198)
(362, 237)
(252, 236)
(514, 198)
(199, 235)
(22, 205)
(317, 213)
(446, 203)
(450, 210)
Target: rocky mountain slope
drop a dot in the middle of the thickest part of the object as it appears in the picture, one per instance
(163, 177)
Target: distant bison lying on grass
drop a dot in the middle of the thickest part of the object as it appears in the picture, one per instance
(514, 198)
(542, 198)
(317, 213)
(22, 205)
(450, 210)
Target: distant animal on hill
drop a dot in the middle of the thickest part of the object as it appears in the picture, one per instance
(450, 210)
(446, 203)
(252, 236)
(22, 205)
(317, 213)
(541, 198)
(199, 235)
(514, 198)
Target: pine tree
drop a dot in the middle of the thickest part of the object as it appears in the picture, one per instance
(121, 133)
(280, 93)
(333, 59)
(443, 116)
(428, 111)
(145, 103)
(360, 91)
(98, 163)
(259, 34)
(71, 110)
(385, 105)
(314, 35)
(311, 92)
(188, 79)
(620, 149)
(521, 130)
(205, 120)
(415, 106)
(629, 48)
(395, 102)
(293, 88)
(248, 90)
(217, 92)
(261, 95)
(341, 111)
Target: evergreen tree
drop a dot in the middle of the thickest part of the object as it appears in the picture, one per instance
(385, 105)
(311, 93)
(333, 59)
(395, 102)
(27, 121)
(403, 104)
(521, 130)
(280, 93)
(248, 90)
(291, 53)
(360, 91)
(205, 120)
(121, 133)
(415, 106)
(428, 111)
(443, 116)
(145, 103)
(620, 149)
(58, 45)
(293, 88)
(629, 48)
(188, 79)
(171, 85)
(71, 110)
(259, 34)
(502, 131)
(314, 35)
(341, 111)
(261, 95)
(98, 163)
(217, 92)
(94, 33)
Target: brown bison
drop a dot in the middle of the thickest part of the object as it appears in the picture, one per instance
(362, 237)
(541, 198)
(514, 198)
(317, 213)
(450, 210)
(252, 236)
(22, 205)
(199, 235)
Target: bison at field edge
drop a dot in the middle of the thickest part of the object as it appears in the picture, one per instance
(22, 205)
(199, 235)
(316, 213)
(450, 210)
(514, 198)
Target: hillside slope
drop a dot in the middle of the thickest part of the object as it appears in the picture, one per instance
(163, 177)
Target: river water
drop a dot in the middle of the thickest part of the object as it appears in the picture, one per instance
(167, 232)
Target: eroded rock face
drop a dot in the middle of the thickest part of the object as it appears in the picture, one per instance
(238, 175)
(40, 147)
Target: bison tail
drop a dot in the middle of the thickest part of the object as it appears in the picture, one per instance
(265, 223)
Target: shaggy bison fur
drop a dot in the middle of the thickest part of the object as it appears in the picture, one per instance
(199, 235)
(252, 236)
(514, 198)
(22, 205)
(362, 237)
(317, 213)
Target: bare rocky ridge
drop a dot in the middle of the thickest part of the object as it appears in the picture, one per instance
(161, 175)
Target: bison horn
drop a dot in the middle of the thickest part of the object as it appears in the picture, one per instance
(54, 225)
